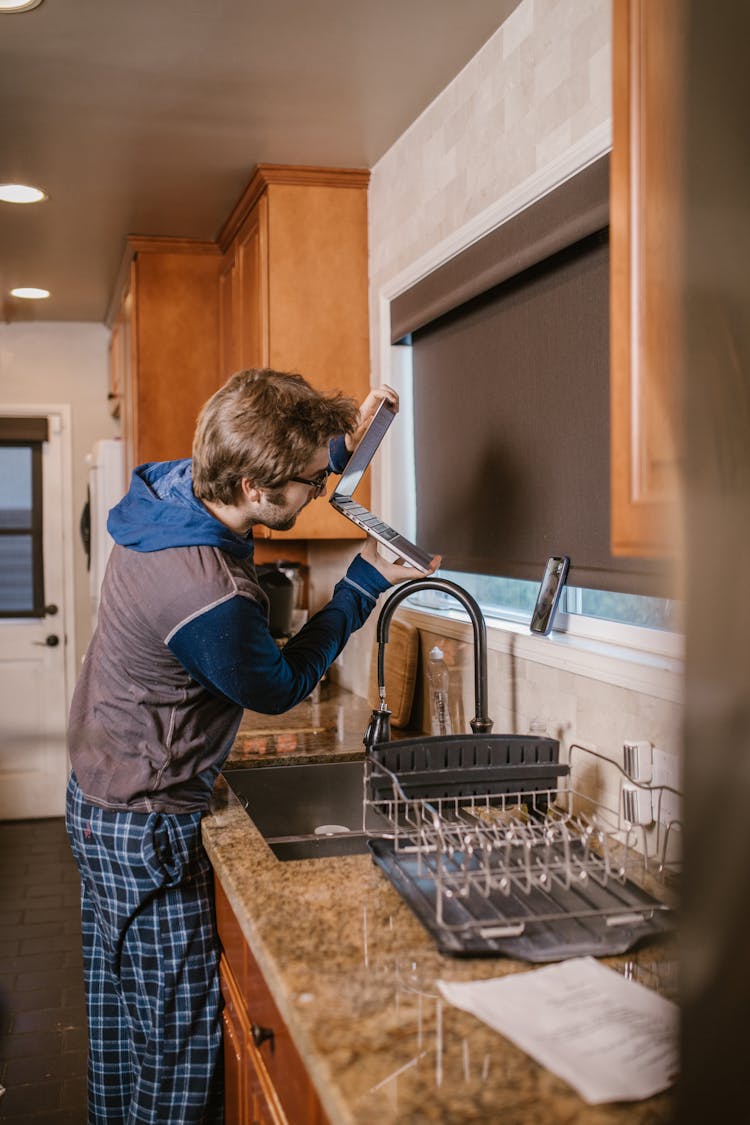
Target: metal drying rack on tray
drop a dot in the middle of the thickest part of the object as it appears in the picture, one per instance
(497, 850)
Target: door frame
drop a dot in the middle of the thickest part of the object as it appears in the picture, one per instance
(60, 418)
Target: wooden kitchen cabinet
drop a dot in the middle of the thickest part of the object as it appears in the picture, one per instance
(644, 245)
(165, 347)
(244, 295)
(119, 358)
(293, 293)
(265, 1080)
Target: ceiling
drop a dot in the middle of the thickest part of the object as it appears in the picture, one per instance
(148, 116)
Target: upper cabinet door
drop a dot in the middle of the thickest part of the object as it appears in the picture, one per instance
(243, 295)
(645, 352)
(229, 297)
(252, 257)
(174, 354)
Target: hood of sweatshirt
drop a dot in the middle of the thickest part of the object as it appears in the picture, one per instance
(160, 510)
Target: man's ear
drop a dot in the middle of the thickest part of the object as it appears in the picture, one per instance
(250, 491)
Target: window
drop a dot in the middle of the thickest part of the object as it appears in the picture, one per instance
(513, 599)
(21, 558)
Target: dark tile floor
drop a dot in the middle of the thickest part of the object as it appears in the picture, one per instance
(42, 1014)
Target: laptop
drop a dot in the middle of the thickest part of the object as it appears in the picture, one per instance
(352, 475)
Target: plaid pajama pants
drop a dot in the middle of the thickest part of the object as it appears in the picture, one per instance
(151, 966)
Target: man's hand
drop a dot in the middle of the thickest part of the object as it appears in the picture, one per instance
(398, 571)
(367, 411)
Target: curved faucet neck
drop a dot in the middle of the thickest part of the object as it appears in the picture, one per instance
(481, 723)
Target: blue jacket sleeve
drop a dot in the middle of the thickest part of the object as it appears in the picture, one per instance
(338, 454)
(229, 650)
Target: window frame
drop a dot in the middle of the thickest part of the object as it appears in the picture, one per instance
(660, 642)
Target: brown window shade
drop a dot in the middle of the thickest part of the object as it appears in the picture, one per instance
(511, 408)
(575, 209)
(24, 430)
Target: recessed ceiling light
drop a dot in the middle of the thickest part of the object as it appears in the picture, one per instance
(18, 5)
(29, 293)
(21, 193)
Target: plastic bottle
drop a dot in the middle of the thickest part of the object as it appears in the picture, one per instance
(439, 679)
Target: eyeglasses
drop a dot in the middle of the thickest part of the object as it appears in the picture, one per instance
(317, 483)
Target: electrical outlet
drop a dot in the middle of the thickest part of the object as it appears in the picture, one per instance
(636, 805)
(636, 759)
(667, 804)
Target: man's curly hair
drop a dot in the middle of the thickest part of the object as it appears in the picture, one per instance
(264, 425)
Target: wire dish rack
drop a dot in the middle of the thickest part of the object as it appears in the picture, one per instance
(497, 850)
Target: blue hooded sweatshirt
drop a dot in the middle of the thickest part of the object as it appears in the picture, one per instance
(182, 646)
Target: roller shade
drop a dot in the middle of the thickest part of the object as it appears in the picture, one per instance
(23, 430)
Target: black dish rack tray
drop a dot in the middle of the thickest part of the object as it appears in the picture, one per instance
(496, 853)
(462, 765)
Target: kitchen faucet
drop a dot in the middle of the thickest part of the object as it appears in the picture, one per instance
(379, 727)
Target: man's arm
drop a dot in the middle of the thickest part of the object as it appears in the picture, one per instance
(230, 651)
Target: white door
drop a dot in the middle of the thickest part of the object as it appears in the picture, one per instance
(36, 639)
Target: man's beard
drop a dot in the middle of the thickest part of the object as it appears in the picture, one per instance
(274, 516)
(277, 524)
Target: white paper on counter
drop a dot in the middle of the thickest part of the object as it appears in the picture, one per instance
(610, 1038)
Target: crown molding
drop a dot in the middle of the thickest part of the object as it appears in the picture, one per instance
(266, 175)
(148, 244)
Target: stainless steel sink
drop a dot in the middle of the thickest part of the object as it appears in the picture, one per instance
(307, 811)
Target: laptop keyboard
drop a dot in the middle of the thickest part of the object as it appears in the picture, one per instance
(367, 519)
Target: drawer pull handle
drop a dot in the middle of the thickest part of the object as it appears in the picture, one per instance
(261, 1034)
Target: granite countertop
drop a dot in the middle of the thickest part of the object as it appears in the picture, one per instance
(354, 974)
(329, 726)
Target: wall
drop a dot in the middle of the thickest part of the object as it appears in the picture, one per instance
(532, 106)
(51, 363)
(715, 971)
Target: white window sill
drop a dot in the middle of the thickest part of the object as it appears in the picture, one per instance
(649, 673)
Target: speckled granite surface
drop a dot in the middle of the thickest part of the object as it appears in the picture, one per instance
(354, 974)
(329, 725)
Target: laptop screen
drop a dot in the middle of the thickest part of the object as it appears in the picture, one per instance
(365, 451)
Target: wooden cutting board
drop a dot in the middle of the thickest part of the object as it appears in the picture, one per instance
(401, 653)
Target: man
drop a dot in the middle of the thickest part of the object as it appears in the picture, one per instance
(181, 647)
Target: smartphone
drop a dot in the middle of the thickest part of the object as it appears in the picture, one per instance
(555, 573)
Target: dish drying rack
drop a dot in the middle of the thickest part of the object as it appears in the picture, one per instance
(497, 849)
